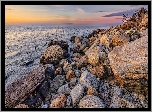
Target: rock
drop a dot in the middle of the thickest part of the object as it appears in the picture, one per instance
(69, 101)
(61, 63)
(77, 73)
(68, 90)
(57, 82)
(62, 89)
(98, 71)
(89, 79)
(51, 55)
(120, 39)
(118, 102)
(70, 75)
(78, 39)
(21, 106)
(73, 81)
(82, 61)
(58, 71)
(129, 64)
(91, 101)
(44, 89)
(77, 93)
(59, 102)
(72, 39)
(49, 71)
(93, 58)
(17, 91)
(77, 55)
(92, 91)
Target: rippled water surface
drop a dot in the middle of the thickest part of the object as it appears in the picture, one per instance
(26, 43)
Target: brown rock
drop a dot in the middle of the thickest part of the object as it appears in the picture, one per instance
(97, 70)
(92, 91)
(59, 102)
(82, 61)
(93, 58)
(130, 62)
(58, 71)
(17, 91)
(21, 106)
(70, 75)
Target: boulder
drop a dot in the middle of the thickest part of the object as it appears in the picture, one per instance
(56, 83)
(59, 102)
(89, 79)
(51, 55)
(17, 91)
(91, 101)
(77, 93)
(129, 64)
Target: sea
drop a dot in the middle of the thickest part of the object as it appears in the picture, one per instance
(26, 43)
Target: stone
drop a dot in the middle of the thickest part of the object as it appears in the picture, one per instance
(59, 102)
(73, 81)
(129, 64)
(57, 82)
(58, 71)
(77, 73)
(93, 58)
(120, 39)
(51, 55)
(89, 79)
(17, 91)
(21, 106)
(70, 75)
(77, 93)
(97, 70)
(49, 71)
(91, 101)
(67, 91)
(69, 101)
(92, 91)
(61, 63)
(62, 89)
(82, 61)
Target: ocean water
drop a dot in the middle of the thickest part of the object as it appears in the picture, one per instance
(26, 43)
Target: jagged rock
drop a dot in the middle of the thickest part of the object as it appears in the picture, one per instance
(70, 75)
(91, 101)
(89, 79)
(21, 106)
(129, 64)
(62, 89)
(56, 83)
(49, 71)
(51, 55)
(77, 93)
(17, 91)
(59, 102)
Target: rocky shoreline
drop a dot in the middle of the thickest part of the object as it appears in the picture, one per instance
(106, 69)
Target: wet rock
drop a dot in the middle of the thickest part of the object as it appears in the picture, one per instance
(91, 101)
(129, 64)
(21, 106)
(57, 82)
(51, 54)
(89, 79)
(62, 89)
(49, 71)
(59, 102)
(77, 93)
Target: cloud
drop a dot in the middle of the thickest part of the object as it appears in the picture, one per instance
(79, 10)
(97, 11)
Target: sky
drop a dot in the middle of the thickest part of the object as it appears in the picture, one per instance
(68, 14)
